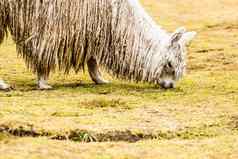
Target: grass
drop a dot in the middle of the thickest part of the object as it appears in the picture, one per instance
(197, 119)
(224, 147)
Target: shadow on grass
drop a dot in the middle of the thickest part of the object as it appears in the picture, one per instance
(103, 89)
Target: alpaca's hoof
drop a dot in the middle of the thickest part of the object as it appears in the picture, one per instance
(6, 89)
(45, 87)
(4, 86)
(102, 81)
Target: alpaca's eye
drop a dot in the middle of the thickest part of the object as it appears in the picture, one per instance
(170, 65)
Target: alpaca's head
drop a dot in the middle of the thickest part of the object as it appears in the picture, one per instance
(173, 63)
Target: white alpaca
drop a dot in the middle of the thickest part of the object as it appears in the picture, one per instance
(118, 35)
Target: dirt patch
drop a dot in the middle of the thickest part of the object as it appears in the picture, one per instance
(233, 123)
(209, 50)
(205, 131)
(223, 26)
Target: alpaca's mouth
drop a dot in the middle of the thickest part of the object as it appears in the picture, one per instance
(167, 84)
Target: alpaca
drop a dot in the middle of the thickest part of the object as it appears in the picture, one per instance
(116, 34)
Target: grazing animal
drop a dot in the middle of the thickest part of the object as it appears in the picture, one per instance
(116, 34)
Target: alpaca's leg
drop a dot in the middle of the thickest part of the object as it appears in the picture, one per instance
(4, 86)
(94, 72)
(42, 82)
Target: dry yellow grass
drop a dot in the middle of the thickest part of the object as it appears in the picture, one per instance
(224, 147)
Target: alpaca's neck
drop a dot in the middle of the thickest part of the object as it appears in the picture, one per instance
(142, 51)
(157, 32)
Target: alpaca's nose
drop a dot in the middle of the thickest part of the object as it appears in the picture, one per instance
(167, 84)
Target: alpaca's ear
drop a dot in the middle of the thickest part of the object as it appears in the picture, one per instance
(176, 36)
(188, 37)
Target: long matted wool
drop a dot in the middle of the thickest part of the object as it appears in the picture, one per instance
(66, 33)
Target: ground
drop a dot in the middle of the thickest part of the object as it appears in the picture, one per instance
(124, 120)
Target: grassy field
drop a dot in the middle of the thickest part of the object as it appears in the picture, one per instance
(123, 120)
